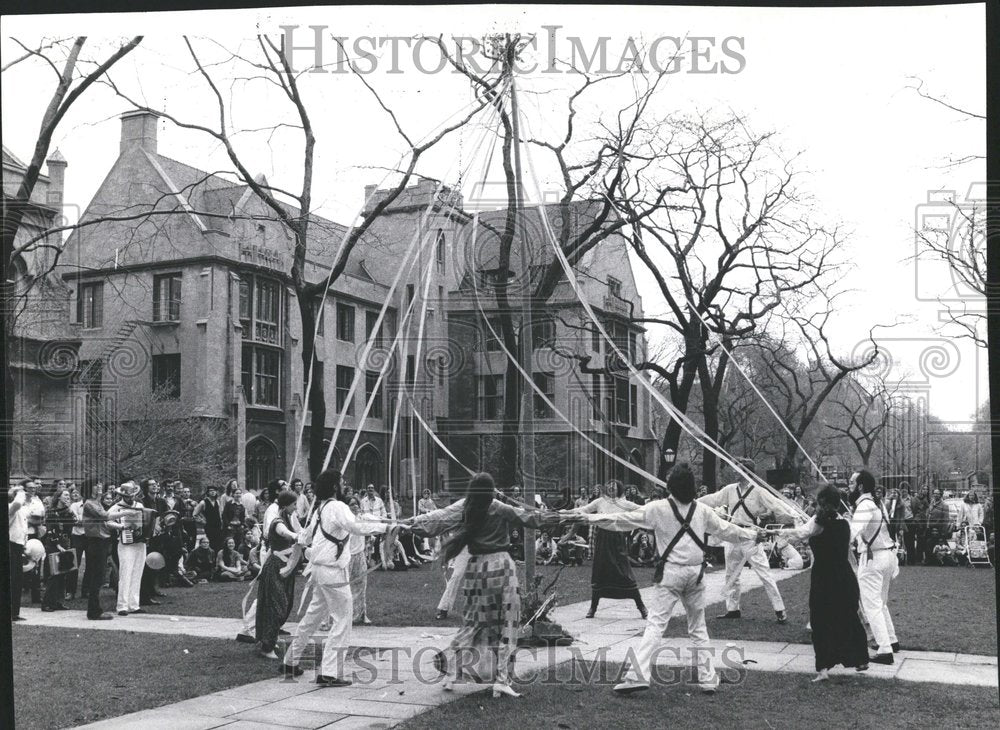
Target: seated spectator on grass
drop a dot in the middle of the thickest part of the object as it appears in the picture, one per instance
(201, 561)
(943, 554)
(545, 549)
(642, 553)
(412, 546)
(230, 564)
(516, 544)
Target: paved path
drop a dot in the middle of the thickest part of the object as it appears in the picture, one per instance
(396, 679)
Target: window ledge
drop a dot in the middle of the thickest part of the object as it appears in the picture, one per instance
(165, 323)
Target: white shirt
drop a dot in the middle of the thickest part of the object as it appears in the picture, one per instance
(33, 507)
(249, 502)
(756, 499)
(373, 506)
(659, 517)
(338, 521)
(269, 514)
(869, 523)
(77, 509)
(17, 522)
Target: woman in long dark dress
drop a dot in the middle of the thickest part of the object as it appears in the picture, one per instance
(275, 592)
(611, 575)
(837, 634)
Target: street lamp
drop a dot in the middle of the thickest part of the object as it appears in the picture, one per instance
(668, 457)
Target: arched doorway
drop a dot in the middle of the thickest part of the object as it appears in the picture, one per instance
(368, 466)
(262, 463)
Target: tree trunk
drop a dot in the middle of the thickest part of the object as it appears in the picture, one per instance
(711, 387)
(317, 394)
(679, 397)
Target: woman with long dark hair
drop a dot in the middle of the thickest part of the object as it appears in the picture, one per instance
(611, 575)
(492, 615)
(275, 592)
(837, 634)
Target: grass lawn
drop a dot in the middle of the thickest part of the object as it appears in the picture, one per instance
(933, 609)
(762, 700)
(395, 598)
(66, 677)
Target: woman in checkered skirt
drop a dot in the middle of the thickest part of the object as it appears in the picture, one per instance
(492, 615)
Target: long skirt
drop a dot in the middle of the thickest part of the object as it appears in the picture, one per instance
(491, 618)
(274, 602)
(611, 575)
(359, 583)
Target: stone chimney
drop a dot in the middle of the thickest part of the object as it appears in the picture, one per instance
(139, 130)
(57, 178)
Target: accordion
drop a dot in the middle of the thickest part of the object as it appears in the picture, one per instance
(62, 562)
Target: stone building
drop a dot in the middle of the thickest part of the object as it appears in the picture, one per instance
(41, 346)
(191, 299)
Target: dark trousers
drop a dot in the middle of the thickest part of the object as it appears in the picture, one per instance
(96, 549)
(54, 590)
(147, 586)
(79, 543)
(913, 542)
(15, 553)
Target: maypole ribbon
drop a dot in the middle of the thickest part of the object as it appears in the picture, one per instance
(686, 423)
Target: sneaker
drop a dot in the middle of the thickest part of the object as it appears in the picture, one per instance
(139, 610)
(895, 647)
(629, 687)
(782, 618)
(709, 690)
(325, 681)
(883, 659)
(102, 617)
(440, 615)
(245, 638)
(731, 614)
(123, 613)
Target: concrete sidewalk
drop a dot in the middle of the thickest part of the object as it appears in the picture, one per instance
(396, 680)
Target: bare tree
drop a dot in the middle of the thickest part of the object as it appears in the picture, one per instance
(740, 240)
(73, 79)
(860, 413)
(797, 385)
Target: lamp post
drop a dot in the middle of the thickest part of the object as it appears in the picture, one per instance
(669, 456)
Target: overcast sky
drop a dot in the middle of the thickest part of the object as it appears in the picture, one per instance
(832, 82)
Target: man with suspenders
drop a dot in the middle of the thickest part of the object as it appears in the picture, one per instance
(682, 525)
(326, 534)
(877, 564)
(744, 503)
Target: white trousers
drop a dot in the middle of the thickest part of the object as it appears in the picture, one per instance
(736, 555)
(458, 566)
(331, 598)
(131, 561)
(874, 578)
(680, 583)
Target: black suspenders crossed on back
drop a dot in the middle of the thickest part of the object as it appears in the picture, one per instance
(319, 526)
(740, 503)
(881, 521)
(684, 529)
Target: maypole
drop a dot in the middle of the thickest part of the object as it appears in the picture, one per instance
(526, 420)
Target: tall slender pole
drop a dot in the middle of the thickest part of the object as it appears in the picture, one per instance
(526, 449)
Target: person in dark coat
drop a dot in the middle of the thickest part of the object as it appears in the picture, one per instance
(208, 513)
(59, 521)
(837, 634)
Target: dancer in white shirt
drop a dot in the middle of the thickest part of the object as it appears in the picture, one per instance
(877, 566)
(682, 526)
(326, 535)
(744, 503)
